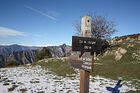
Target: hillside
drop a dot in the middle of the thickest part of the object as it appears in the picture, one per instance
(123, 60)
(127, 49)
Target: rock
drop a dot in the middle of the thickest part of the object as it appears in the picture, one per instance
(130, 45)
(60, 51)
(118, 56)
(128, 38)
(136, 55)
(2, 60)
(119, 53)
(22, 57)
(113, 41)
(132, 40)
(107, 53)
(138, 37)
(120, 41)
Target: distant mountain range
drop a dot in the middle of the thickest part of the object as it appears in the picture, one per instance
(22, 57)
(26, 54)
(60, 51)
(6, 49)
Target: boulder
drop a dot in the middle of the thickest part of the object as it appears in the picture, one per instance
(119, 53)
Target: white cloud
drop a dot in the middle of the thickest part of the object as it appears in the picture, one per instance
(52, 13)
(44, 14)
(10, 32)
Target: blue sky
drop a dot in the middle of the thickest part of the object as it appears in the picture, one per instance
(50, 22)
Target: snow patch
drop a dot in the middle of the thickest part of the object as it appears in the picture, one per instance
(35, 79)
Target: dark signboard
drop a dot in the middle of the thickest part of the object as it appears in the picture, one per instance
(80, 64)
(86, 44)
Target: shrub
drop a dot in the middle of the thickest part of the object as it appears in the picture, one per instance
(11, 64)
(126, 36)
(44, 53)
(12, 88)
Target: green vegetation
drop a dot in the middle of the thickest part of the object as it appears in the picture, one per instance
(23, 90)
(6, 83)
(44, 53)
(127, 67)
(127, 58)
(59, 67)
(12, 88)
(41, 92)
(12, 64)
(138, 91)
(112, 69)
(34, 81)
(127, 36)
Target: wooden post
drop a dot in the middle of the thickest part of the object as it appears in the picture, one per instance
(84, 75)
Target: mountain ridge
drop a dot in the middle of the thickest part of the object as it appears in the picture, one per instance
(6, 49)
(28, 55)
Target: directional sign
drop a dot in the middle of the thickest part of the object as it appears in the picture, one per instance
(86, 44)
(83, 63)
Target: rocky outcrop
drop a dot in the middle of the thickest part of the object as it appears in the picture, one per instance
(128, 48)
(18, 53)
(60, 51)
(130, 38)
(136, 55)
(119, 53)
(2, 61)
(22, 57)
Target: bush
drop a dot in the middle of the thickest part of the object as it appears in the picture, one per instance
(11, 64)
(126, 36)
(44, 53)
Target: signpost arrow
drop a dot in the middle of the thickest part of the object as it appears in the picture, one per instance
(79, 63)
(86, 44)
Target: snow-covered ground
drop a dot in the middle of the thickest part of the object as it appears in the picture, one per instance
(34, 79)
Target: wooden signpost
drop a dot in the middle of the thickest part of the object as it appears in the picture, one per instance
(84, 75)
(84, 44)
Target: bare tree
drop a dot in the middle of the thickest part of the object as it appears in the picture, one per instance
(101, 27)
